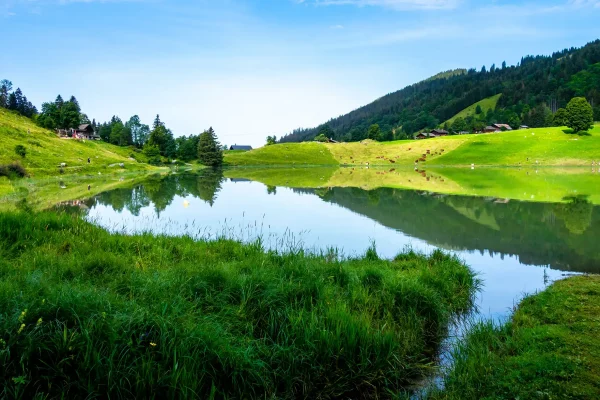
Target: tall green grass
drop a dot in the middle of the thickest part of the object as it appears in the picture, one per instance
(85, 313)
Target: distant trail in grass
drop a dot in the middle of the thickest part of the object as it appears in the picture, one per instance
(485, 104)
(92, 314)
(550, 349)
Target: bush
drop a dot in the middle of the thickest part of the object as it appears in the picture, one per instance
(21, 150)
(580, 115)
(13, 170)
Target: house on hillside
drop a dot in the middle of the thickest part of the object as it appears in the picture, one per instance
(523, 127)
(85, 131)
(240, 148)
(439, 132)
(491, 129)
(423, 135)
(503, 127)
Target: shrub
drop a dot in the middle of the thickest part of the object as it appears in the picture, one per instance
(13, 170)
(20, 150)
(580, 115)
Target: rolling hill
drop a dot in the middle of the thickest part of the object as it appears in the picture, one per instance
(527, 89)
(45, 151)
(534, 147)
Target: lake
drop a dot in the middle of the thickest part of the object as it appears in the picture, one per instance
(516, 247)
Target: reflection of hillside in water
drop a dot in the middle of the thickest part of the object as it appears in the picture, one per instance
(561, 235)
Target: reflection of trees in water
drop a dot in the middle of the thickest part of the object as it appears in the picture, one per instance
(577, 213)
(271, 189)
(160, 192)
(538, 233)
(208, 184)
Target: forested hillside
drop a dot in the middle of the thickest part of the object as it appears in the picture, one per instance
(532, 92)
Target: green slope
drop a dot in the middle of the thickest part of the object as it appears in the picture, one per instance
(283, 154)
(547, 146)
(45, 151)
(485, 104)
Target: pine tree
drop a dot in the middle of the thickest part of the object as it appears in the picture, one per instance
(5, 88)
(209, 150)
(59, 101)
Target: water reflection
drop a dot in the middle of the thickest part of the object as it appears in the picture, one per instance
(562, 236)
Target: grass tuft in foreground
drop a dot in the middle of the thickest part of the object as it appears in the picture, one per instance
(85, 313)
(550, 350)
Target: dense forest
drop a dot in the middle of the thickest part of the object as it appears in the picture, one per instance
(532, 92)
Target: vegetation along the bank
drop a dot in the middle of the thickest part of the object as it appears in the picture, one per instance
(549, 350)
(86, 313)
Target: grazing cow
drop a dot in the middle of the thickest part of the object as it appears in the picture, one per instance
(62, 165)
(392, 161)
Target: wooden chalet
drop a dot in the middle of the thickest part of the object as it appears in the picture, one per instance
(503, 127)
(439, 132)
(491, 129)
(85, 131)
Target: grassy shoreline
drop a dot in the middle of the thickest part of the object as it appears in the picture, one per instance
(549, 349)
(86, 313)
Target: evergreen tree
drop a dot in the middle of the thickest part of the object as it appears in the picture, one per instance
(12, 102)
(5, 89)
(59, 101)
(580, 115)
(478, 109)
(209, 150)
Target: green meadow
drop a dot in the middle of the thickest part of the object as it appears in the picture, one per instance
(45, 152)
(529, 147)
(86, 313)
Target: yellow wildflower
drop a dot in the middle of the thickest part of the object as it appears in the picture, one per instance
(152, 344)
(23, 315)
(21, 329)
(39, 322)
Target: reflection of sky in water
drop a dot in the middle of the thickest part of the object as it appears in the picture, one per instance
(244, 210)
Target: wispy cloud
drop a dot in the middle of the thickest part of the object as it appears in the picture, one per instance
(585, 3)
(393, 4)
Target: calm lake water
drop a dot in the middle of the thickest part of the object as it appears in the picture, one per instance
(515, 247)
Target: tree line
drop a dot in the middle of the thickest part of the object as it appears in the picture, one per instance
(532, 92)
(15, 100)
(157, 142)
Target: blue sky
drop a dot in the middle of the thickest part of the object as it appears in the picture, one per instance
(252, 68)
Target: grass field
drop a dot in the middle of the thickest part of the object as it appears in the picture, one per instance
(549, 350)
(485, 104)
(283, 154)
(530, 147)
(91, 314)
(45, 151)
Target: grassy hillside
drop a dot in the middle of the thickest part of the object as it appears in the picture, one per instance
(283, 154)
(45, 151)
(547, 146)
(485, 104)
